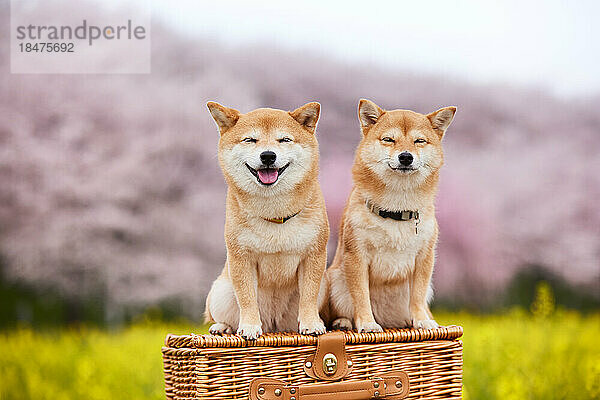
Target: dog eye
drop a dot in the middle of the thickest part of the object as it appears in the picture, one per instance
(388, 139)
(249, 140)
(284, 140)
(420, 141)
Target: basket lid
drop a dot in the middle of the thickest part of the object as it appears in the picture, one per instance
(294, 339)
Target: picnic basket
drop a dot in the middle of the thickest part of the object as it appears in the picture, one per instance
(394, 364)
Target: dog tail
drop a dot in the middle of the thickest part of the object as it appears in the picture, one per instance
(429, 299)
(324, 309)
(207, 316)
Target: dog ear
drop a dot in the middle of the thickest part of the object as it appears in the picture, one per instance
(368, 114)
(307, 115)
(441, 119)
(223, 116)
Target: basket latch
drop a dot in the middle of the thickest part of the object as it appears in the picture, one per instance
(330, 362)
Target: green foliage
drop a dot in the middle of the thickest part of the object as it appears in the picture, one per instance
(552, 354)
(524, 287)
(543, 304)
(43, 306)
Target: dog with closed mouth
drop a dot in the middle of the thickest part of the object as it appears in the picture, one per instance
(381, 274)
(276, 227)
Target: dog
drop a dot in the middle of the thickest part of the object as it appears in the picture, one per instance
(381, 273)
(276, 227)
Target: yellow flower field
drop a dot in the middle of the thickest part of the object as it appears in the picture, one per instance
(513, 355)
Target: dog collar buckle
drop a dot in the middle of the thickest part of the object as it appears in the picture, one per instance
(276, 220)
(405, 215)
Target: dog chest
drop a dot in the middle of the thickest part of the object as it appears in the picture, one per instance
(389, 264)
(378, 232)
(278, 269)
(266, 237)
(390, 247)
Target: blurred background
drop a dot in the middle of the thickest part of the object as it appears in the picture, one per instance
(112, 201)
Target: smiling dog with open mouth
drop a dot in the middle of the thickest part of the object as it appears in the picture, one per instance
(381, 273)
(276, 227)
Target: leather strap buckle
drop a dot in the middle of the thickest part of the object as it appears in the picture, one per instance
(392, 386)
(330, 361)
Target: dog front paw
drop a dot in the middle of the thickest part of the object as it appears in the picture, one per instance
(315, 328)
(369, 327)
(220, 329)
(342, 324)
(425, 324)
(249, 331)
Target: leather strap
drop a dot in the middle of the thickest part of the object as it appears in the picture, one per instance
(405, 215)
(390, 386)
(330, 362)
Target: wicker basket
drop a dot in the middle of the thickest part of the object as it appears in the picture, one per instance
(398, 363)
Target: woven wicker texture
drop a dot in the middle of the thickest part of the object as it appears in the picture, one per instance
(221, 367)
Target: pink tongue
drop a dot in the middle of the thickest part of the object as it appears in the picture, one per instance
(268, 175)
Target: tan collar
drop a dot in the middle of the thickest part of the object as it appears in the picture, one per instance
(281, 220)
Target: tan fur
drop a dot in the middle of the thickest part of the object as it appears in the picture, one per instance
(272, 277)
(381, 273)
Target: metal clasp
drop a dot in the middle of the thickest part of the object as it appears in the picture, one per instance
(417, 220)
(330, 364)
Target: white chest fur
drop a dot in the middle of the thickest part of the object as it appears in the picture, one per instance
(391, 246)
(278, 270)
(295, 235)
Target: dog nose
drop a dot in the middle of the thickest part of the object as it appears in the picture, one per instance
(268, 157)
(405, 158)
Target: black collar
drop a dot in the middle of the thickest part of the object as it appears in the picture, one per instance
(405, 215)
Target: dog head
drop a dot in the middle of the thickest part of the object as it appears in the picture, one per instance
(266, 151)
(400, 146)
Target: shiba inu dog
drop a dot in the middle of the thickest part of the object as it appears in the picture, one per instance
(381, 273)
(276, 227)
